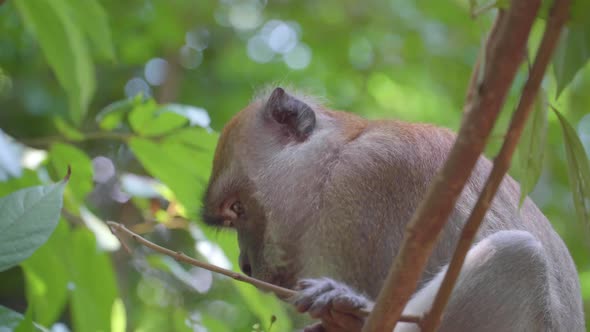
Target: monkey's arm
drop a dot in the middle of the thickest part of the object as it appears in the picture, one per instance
(503, 286)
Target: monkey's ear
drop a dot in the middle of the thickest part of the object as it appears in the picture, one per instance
(296, 117)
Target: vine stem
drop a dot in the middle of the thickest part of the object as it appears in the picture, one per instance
(281, 292)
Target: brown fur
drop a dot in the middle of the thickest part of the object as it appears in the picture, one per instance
(334, 203)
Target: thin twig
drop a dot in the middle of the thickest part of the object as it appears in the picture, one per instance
(179, 256)
(504, 53)
(121, 240)
(281, 292)
(475, 12)
(558, 17)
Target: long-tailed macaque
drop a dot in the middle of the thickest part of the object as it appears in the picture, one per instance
(320, 198)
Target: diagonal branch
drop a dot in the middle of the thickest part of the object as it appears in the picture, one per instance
(281, 292)
(504, 53)
(117, 228)
(558, 17)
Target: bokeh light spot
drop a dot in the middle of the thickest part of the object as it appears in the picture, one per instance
(299, 57)
(245, 16)
(190, 58)
(137, 86)
(156, 71)
(282, 38)
(197, 39)
(103, 169)
(258, 50)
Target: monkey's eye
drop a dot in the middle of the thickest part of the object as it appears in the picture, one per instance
(237, 208)
(231, 210)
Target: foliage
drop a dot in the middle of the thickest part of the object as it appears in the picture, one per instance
(131, 95)
(27, 219)
(531, 148)
(579, 168)
(572, 53)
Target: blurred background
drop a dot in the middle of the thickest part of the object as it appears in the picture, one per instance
(133, 98)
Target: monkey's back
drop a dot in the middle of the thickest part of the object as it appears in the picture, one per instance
(392, 163)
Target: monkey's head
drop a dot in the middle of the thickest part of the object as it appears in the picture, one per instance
(260, 185)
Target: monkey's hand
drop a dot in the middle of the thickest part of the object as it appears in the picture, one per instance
(335, 304)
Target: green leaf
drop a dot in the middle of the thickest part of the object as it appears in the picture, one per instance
(584, 282)
(214, 324)
(118, 316)
(9, 320)
(578, 169)
(66, 130)
(580, 11)
(28, 179)
(264, 306)
(572, 53)
(27, 219)
(112, 116)
(148, 119)
(94, 291)
(91, 17)
(61, 155)
(194, 137)
(183, 169)
(26, 325)
(46, 277)
(180, 320)
(531, 148)
(64, 47)
(153, 319)
(195, 115)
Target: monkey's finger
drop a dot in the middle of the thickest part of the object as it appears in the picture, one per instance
(301, 303)
(347, 322)
(322, 304)
(303, 284)
(348, 303)
(307, 296)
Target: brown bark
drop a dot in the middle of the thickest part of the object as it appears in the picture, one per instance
(558, 17)
(504, 53)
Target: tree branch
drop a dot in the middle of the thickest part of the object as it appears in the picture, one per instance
(558, 17)
(181, 257)
(504, 53)
(281, 292)
(477, 73)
